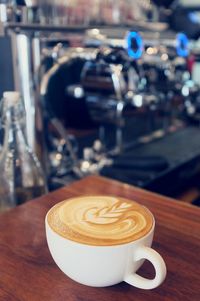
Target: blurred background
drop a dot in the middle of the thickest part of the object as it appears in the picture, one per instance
(109, 87)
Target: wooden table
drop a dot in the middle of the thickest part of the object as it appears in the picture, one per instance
(27, 271)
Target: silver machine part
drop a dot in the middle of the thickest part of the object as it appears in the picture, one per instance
(118, 86)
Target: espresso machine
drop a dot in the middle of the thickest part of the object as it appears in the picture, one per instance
(107, 83)
(96, 77)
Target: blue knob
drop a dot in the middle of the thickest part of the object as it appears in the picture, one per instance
(134, 45)
(182, 45)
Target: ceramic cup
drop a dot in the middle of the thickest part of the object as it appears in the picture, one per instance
(101, 266)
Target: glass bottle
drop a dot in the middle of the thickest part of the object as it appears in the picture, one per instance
(21, 176)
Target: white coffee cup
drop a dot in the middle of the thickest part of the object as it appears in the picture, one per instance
(101, 266)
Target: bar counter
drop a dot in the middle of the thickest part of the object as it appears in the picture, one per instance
(28, 273)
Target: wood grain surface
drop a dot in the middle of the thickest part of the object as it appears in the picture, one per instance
(28, 273)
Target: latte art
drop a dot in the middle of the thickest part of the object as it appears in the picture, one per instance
(106, 215)
(100, 220)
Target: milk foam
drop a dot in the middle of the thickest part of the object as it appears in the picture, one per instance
(100, 220)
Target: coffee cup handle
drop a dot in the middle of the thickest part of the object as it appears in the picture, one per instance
(159, 266)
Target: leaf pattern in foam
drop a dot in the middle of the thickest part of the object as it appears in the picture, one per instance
(107, 215)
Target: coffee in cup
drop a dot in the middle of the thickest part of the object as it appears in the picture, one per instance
(103, 240)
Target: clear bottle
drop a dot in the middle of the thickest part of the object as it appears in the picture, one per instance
(21, 176)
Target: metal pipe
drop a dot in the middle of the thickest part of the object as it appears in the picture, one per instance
(26, 84)
(117, 79)
(26, 60)
(3, 13)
